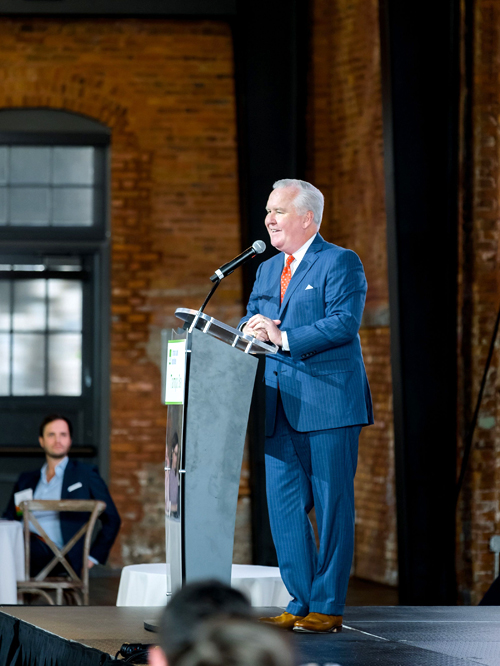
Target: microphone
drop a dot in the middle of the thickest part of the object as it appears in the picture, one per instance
(257, 248)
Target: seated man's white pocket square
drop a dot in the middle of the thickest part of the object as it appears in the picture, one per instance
(75, 486)
(309, 287)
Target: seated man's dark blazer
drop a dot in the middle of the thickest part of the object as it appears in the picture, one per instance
(92, 487)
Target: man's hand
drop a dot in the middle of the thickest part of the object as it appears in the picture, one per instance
(90, 564)
(264, 329)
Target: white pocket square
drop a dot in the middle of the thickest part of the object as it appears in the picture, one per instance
(75, 486)
(309, 286)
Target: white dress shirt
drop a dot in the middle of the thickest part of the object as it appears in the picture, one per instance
(297, 258)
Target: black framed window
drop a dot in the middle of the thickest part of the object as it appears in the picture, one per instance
(54, 284)
(41, 315)
(53, 175)
(50, 186)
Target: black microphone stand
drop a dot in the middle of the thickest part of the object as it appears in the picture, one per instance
(217, 282)
(257, 248)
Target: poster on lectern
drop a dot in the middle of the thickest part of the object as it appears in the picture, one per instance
(175, 375)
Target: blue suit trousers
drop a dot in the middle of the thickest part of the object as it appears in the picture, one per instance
(306, 469)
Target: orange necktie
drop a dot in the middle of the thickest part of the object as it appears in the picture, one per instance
(286, 276)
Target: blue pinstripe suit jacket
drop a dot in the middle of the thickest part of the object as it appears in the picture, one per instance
(322, 379)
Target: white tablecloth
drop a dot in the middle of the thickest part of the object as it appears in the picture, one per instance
(146, 585)
(11, 559)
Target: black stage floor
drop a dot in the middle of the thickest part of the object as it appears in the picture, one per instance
(388, 635)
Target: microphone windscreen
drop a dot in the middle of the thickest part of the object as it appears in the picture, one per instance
(259, 246)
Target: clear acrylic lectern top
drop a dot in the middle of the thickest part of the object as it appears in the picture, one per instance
(221, 331)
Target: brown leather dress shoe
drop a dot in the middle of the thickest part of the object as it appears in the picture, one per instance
(318, 623)
(283, 621)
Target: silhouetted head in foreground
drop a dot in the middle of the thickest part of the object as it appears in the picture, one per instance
(192, 605)
(236, 643)
(210, 624)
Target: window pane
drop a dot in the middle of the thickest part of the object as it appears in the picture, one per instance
(29, 165)
(29, 206)
(4, 363)
(4, 305)
(73, 166)
(3, 205)
(4, 164)
(65, 364)
(28, 267)
(28, 364)
(29, 305)
(73, 207)
(65, 305)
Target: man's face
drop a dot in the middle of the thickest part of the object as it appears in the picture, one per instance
(288, 230)
(56, 440)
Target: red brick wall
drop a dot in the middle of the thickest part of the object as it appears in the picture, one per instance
(166, 90)
(346, 162)
(479, 298)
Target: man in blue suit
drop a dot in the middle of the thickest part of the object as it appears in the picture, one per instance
(309, 300)
(62, 478)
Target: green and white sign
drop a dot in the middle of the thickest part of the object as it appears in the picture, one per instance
(175, 374)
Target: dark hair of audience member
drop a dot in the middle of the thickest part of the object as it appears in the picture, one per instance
(192, 605)
(55, 417)
(237, 643)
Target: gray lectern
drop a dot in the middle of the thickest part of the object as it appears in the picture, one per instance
(208, 376)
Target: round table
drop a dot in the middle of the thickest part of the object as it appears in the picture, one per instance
(11, 559)
(146, 585)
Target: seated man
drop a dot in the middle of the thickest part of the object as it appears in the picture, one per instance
(62, 478)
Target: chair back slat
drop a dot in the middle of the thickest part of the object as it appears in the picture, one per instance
(95, 508)
(63, 505)
(58, 553)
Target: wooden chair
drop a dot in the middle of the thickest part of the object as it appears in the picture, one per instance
(73, 585)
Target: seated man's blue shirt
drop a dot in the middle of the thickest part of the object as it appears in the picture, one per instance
(50, 490)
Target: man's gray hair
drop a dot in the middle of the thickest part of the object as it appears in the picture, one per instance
(308, 198)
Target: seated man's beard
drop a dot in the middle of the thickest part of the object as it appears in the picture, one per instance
(57, 456)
